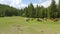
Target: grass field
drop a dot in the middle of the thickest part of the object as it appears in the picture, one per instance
(17, 25)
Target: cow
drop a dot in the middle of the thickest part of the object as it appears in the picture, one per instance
(45, 18)
(26, 19)
(39, 19)
(54, 19)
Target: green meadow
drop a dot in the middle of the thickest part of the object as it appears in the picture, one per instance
(17, 25)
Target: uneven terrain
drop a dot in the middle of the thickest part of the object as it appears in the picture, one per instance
(17, 25)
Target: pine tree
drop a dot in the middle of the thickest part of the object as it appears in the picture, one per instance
(53, 9)
(37, 11)
(59, 9)
(31, 10)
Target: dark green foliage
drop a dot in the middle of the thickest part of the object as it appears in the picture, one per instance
(59, 9)
(6, 10)
(53, 11)
(37, 11)
(31, 10)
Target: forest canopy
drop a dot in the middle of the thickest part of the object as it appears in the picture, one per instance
(53, 11)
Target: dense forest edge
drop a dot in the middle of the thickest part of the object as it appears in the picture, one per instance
(53, 11)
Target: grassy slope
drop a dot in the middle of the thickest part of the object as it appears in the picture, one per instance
(17, 25)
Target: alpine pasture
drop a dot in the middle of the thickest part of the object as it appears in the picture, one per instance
(17, 25)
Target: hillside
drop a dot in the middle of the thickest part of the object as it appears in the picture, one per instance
(6, 10)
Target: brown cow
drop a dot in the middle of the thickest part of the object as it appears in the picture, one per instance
(39, 19)
(54, 19)
(26, 19)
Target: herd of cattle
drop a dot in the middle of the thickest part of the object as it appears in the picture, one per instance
(40, 19)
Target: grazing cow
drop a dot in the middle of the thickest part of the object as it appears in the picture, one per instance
(54, 19)
(45, 18)
(39, 19)
(27, 19)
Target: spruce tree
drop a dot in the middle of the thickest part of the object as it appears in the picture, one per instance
(53, 9)
(59, 9)
(31, 10)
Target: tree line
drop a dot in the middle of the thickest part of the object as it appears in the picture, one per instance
(53, 11)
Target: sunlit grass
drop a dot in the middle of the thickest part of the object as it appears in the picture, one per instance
(9, 25)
